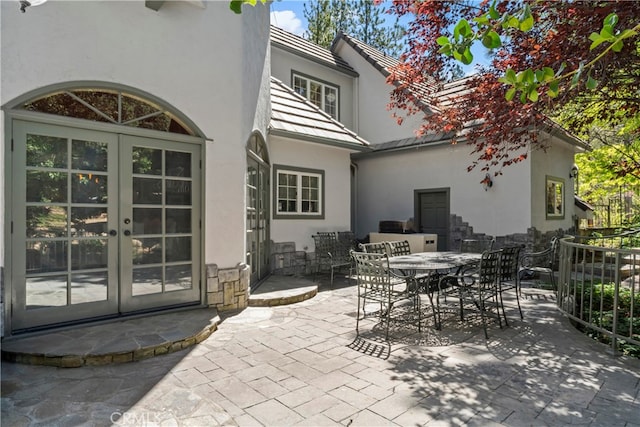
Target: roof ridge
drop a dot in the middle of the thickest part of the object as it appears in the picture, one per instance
(384, 63)
(307, 48)
(358, 44)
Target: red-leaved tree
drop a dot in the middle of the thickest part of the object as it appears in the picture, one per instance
(556, 37)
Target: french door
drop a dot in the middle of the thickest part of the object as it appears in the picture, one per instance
(103, 224)
(257, 220)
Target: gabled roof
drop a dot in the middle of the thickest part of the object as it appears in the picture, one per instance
(452, 90)
(384, 63)
(555, 129)
(445, 93)
(293, 116)
(425, 91)
(299, 46)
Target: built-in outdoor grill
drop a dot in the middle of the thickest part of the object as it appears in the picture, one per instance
(401, 230)
(400, 227)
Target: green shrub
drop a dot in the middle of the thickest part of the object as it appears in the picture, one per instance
(597, 301)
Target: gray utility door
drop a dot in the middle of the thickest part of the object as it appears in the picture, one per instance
(103, 224)
(432, 213)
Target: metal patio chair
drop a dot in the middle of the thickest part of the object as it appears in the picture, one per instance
(399, 247)
(479, 285)
(329, 253)
(540, 263)
(374, 248)
(477, 246)
(348, 242)
(427, 282)
(347, 239)
(509, 277)
(377, 283)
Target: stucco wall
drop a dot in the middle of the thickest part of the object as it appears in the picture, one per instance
(556, 161)
(386, 187)
(208, 63)
(283, 63)
(335, 164)
(374, 122)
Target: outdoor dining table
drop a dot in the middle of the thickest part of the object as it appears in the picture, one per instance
(431, 265)
(433, 261)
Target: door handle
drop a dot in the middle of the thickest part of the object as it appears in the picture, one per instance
(127, 232)
(113, 233)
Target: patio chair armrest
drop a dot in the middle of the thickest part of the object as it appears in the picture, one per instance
(537, 259)
(397, 275)
(467, 279)
(340, 258)
(410, 280)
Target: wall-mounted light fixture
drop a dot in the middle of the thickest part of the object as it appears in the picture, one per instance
(487, 183)
(24, 4)
(573, 173)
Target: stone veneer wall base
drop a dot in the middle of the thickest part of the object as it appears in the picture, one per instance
(533, 239)
(228, 289)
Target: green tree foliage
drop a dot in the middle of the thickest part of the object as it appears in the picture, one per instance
(362, 19)
(370, 27)
(322, 26)
(545, 55)
(611, 168)
(236, 5)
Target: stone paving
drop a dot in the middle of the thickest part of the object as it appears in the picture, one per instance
(301, 364)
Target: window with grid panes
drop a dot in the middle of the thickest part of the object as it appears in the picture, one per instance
(323, 95)
(299, 193)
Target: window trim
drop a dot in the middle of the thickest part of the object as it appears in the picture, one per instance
(324, 83)
(558, 196)
(277, 169)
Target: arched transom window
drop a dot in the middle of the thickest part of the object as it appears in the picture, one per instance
(108, 106)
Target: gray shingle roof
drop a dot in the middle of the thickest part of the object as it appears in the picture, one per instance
(295, 117)
(412, 143)
(452, 90)
(384, 63)
(309, 50)
(429, 139)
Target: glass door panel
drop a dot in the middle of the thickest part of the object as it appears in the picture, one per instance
(159, 223)
(263, 222)
(257, 220)
(251, 220)
(63, 258)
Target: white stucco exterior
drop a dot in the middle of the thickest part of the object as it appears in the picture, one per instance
(556, 162)
(374, 122)
(334, 163)
(198, 59)
(387, 180)
(386, 186)
(177, 59)
(212, 68)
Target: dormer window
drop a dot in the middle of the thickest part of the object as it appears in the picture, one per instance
(321, 94)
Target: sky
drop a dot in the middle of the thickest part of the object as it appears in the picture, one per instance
(289, 15)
